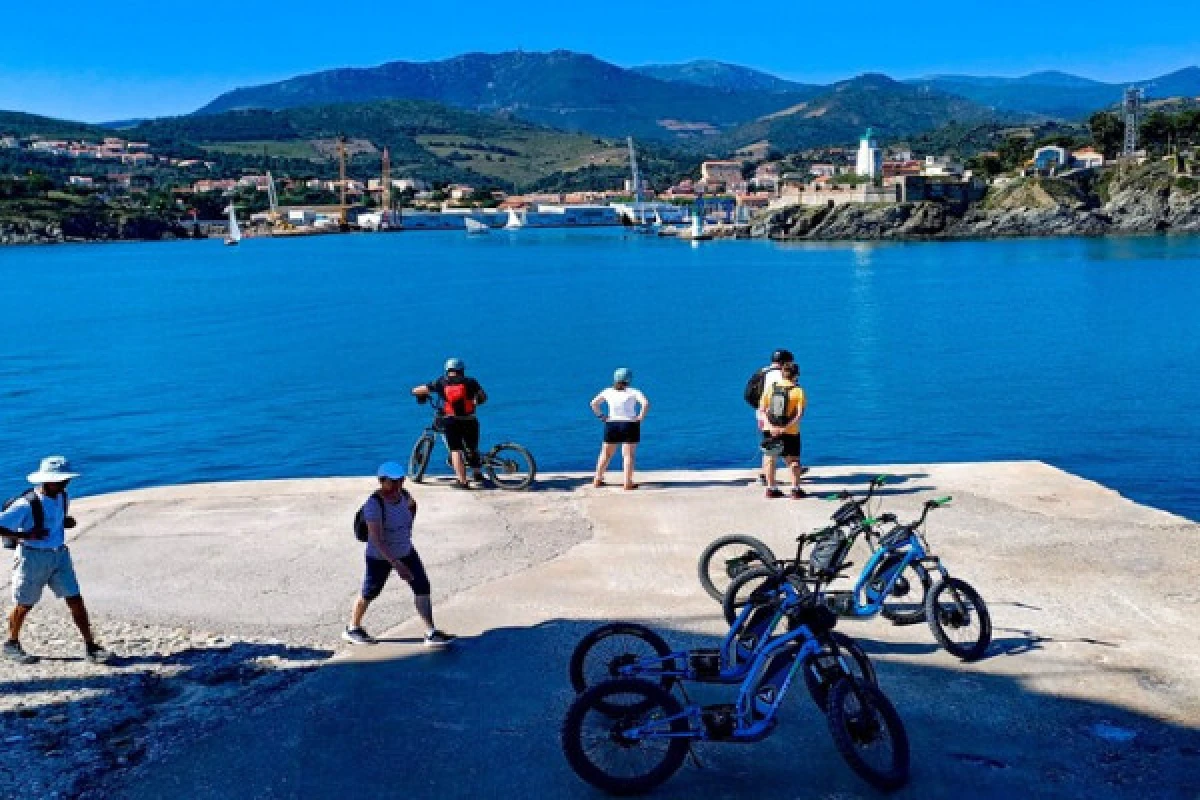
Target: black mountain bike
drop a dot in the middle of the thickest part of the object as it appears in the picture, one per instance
(507, 465)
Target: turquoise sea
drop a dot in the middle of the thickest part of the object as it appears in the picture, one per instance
(191, 361)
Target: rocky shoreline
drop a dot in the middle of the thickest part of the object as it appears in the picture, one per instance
(68, 727)
(133, 230)
(1150, 200)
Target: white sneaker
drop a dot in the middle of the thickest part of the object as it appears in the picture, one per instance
(436, 638)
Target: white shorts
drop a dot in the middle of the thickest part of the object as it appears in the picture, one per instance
(34, 569)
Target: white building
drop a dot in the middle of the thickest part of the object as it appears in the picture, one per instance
(869, 163)
(1087, 158)
(942, 166)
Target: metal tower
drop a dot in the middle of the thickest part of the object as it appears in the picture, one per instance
(637, 179)
(1131, 110)
(386, 197)
(342, 177)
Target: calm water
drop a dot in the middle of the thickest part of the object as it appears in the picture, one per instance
(191, 361)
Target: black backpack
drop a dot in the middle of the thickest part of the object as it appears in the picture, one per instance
(754, 387)
(360, 523)
(39, 514)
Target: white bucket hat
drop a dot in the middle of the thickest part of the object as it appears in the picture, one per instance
(53, 469)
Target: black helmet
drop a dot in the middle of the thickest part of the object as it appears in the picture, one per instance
(782, 357)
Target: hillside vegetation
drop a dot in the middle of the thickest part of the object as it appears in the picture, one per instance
(425, 139)
(560, 89)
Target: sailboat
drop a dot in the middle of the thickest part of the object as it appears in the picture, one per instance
(235, 233)
(475, 226)
(514, 221)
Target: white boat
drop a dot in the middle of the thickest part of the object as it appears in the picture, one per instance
(514, 221)
(474, 226)
(235, 233)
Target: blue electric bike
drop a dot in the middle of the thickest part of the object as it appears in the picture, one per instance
(897, 579)
(629, 734)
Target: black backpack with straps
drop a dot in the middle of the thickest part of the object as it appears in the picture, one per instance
(754, 387)
(39, 514)
(360, 522)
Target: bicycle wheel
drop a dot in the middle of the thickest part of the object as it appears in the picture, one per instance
(822, 670)
(601, 752)
(905, 603)
(600, 655)
(747, 587)
(726, 558)
(510, 466)
(868, 733)
(959, 619)
(418, 461)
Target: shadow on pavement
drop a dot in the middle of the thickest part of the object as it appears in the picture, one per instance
(481, 719)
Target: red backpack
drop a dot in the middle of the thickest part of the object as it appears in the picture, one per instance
(460, 402)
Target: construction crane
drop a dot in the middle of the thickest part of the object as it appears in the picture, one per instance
(342, 180)
(637, 183)
(386, 198)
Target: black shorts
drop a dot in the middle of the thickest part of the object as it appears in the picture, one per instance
(791, 444)
(379, 570)
(462, 433)
(622, 432)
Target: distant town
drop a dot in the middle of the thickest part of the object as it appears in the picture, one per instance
(721, 196)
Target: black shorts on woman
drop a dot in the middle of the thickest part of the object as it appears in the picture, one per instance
(380, 569)
(622, 432)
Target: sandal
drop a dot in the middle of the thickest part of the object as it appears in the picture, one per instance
(598, 484)
(629, 487)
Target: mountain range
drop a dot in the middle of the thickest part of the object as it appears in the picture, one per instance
(703, 106)
(560, 89)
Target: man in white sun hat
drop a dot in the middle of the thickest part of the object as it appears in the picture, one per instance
(38, 520)
(389, 514)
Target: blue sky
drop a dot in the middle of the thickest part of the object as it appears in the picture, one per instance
(102, 61)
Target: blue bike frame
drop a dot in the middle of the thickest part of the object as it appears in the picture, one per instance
(736, 656)
(868, 598)
(747, 728)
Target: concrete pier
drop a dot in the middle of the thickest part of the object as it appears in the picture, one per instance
(1091, 688)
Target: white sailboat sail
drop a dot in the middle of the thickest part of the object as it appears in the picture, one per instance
(474, 225)
(514, 220)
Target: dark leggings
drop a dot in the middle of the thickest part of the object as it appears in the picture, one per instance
(379, 570)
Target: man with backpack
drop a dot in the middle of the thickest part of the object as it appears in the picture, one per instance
(757, 385)
(782, 406)
(37, 521)
(385, 523)
(457, 396)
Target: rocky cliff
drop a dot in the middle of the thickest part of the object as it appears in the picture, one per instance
(1147, 199)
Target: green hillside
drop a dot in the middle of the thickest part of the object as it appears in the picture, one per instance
(20, 124)
(894, 110)
(560, 89)
(424, 139)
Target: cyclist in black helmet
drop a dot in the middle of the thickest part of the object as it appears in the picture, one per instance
(457, 396)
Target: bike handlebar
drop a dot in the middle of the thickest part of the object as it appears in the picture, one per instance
(844, 494)
(929, 506)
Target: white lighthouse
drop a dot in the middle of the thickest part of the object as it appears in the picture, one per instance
(870, 157)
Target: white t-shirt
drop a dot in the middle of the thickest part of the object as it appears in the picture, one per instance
(622, 403)
(19, 517)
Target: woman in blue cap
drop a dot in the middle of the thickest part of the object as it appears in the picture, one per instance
(627, 408)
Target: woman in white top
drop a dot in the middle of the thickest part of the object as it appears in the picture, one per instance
(627, 408)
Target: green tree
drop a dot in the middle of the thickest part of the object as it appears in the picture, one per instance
(1108, 133)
